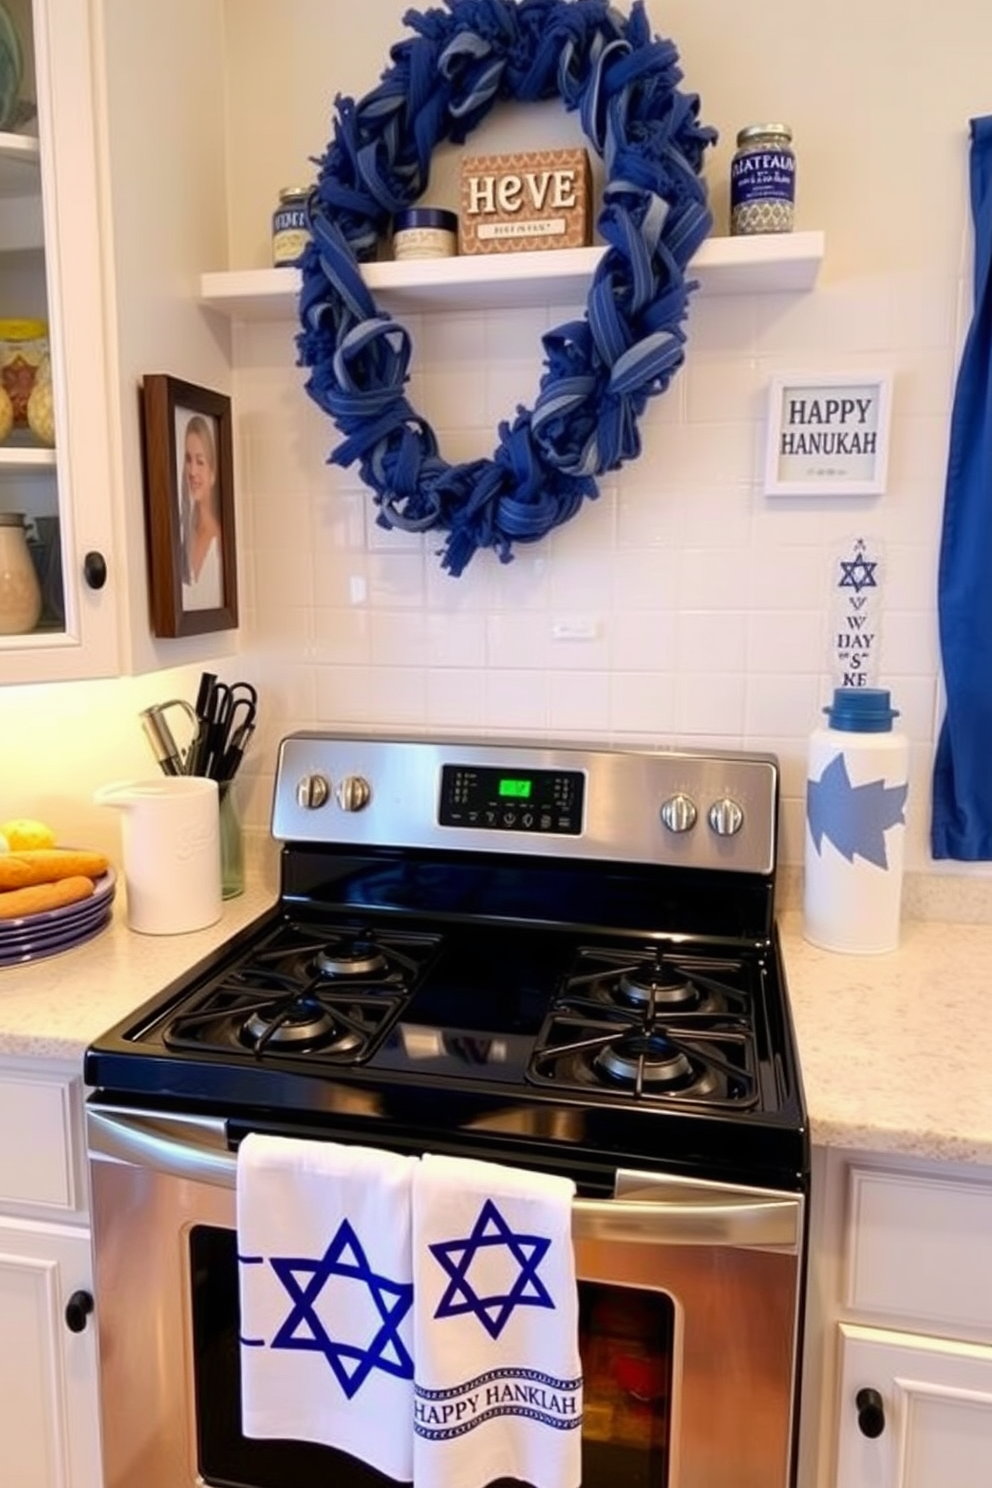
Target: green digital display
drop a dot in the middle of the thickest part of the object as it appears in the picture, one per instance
(519, 789)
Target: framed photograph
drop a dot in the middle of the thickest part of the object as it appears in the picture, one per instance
(189, 506)
(828, 434)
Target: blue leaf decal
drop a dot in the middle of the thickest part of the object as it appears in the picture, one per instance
(854, 818)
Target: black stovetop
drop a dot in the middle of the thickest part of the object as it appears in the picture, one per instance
(418, 1004)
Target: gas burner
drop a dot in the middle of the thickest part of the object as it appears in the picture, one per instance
(658, 986)
(651, 1062)
(616, 1053)
(656, 982)
(303, 953)
(302, 1023)
(361, 957)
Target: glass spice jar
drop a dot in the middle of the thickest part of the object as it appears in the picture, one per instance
(763, 181)
(290, 227)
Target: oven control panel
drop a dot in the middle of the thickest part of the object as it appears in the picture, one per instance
(677, 808)
(512, 799)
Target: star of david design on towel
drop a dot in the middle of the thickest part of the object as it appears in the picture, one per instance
(352, 1365)
(456, 1256)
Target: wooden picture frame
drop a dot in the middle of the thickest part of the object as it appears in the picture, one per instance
(828, 434)
(187, 451)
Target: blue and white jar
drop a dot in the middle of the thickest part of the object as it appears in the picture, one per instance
(857, 783)
(763, 181)
(290, 226)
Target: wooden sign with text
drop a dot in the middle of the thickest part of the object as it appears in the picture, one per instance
(522, 201)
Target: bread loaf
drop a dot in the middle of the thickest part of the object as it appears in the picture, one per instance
(38, 897)
(18, 870)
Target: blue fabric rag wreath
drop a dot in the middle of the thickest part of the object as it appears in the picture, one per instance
(599, 371)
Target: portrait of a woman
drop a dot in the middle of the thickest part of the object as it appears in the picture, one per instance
(200, 525)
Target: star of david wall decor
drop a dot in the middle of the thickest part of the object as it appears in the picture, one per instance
(828, 434)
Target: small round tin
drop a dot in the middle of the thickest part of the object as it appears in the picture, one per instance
(290, 228)
(425, 232)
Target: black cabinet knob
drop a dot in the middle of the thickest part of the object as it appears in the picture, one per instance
(77, 1310)
(95, 570)
(871, 1413)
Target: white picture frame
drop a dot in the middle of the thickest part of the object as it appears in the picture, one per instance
(828, 434)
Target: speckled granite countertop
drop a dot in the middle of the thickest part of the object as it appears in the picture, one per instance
(894, 1049)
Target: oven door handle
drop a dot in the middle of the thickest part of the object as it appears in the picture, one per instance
(677, 1213)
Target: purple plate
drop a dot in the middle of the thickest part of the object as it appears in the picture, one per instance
(54, 945)
(12, 940)
(103, 891)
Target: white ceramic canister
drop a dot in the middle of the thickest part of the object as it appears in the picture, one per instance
(857, 782)
(171, 849)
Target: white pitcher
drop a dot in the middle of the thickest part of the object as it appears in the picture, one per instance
(171, 842)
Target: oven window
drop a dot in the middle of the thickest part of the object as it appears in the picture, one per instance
(626, 1340)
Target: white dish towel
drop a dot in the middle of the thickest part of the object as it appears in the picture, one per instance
(324, 1247)
(498, 1375)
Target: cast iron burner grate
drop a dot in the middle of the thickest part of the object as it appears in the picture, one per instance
(309, 991)
(652, 1026)
(659, 982)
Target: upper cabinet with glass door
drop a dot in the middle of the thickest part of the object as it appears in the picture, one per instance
(49, 338)
(112, 197)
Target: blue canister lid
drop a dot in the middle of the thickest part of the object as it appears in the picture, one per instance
(425, 217)
(861, 710)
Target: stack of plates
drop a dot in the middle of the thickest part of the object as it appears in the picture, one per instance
(33, 936)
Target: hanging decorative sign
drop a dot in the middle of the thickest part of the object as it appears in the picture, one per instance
(856, 613)
(601, 370)
(828, 434)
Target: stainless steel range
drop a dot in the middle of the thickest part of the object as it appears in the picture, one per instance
(558, 958)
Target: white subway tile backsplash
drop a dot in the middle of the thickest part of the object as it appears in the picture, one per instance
(456, 698)
(643, 704)
(516, 700)
(420, 638)
(579, 702)
(793, 642)
(682, 607)
(711, 642)
(710, 704)
(643, 640)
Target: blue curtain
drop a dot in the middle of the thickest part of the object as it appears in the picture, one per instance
(961, 825)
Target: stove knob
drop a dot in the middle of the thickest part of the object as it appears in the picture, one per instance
(725, 817)
(678, 813)
(353, 793)
(312, 792)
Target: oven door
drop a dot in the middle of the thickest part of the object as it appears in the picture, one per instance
(689, 1312)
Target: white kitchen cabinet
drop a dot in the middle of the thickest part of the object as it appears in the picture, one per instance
(49, 1391)
(108, 215)
(898, 1389)
(937, 1408)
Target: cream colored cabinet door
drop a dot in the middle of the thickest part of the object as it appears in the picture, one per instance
(49, 1406)
(936, 1402)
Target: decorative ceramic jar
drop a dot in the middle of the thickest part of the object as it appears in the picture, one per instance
(20, 591)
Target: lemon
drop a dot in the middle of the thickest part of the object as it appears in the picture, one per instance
(24, 835)
(4, 844)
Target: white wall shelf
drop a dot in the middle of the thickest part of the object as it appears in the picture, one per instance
(771, 263)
